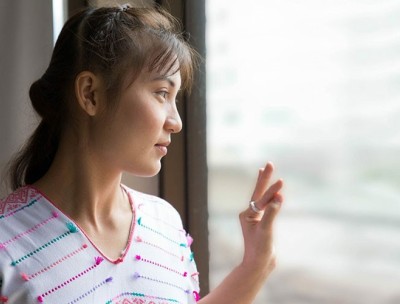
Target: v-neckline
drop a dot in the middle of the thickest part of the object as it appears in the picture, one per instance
(124, 252)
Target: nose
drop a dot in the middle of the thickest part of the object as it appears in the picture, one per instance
(173, 122)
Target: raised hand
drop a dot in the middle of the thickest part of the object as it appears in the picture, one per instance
(243, 283)
(257, 223)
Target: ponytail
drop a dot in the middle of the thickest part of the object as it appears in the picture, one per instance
(35, 158)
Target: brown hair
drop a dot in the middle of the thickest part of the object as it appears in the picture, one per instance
(113, 42)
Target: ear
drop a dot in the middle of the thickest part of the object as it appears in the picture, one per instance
(87, 92)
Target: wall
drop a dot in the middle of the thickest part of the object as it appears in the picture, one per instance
(26, 43)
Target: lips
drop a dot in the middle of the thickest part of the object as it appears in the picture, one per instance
(162, 147)
(164, 144)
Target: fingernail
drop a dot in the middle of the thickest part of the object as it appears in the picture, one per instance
(277, 200)
(275, 205)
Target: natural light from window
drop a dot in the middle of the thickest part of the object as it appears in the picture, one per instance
(314, 87)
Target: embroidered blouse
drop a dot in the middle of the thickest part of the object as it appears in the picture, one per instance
(46, 258)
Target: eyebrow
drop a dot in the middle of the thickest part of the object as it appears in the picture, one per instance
(165, 78)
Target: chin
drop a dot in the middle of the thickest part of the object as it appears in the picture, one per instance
(149, 171)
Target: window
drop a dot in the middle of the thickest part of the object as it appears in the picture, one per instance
(314, 87)
(60, 9)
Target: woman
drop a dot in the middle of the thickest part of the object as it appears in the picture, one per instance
(70, 231)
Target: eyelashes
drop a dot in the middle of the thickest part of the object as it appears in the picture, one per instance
(164, 96)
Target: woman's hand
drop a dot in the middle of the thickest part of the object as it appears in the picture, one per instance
(243, 283)
(257, 227)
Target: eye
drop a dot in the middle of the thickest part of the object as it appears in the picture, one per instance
(163, 94)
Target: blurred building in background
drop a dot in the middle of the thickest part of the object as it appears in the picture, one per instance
(313, 86)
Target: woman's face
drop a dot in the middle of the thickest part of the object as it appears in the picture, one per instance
(136, 136)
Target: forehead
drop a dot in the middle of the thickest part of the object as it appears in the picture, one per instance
(147, 74)
(162, 67)
(173, 78)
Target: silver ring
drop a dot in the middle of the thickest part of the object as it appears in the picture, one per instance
(254, 208)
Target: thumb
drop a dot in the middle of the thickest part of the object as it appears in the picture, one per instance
(271, 211)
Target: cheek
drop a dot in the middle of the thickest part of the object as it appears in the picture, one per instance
(148, 118)
(143, 124)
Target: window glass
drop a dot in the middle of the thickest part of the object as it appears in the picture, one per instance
(314, 87)
(60, 9)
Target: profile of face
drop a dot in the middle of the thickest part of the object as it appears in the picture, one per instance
(135, 136)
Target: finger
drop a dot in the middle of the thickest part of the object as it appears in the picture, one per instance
(264, 175)
(269, 194)
(271, 210)
(253, 211)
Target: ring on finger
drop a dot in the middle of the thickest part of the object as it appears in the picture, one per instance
(254, 208)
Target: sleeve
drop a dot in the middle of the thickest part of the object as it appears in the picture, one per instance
(191, 267)
(163, 220)
(187, 254)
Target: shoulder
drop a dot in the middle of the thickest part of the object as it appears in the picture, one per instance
(154, 205)
(20, 198)
(18, 210)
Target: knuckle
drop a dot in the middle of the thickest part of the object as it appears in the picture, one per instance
(274, 206)
(273, 262)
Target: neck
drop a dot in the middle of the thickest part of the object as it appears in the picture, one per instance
(84, 187)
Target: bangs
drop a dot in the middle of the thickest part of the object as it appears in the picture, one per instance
(169, 56)
(134, 41)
